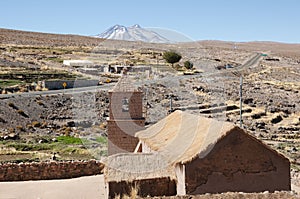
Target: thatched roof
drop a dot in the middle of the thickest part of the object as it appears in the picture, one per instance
(136, 166)
(180, 137)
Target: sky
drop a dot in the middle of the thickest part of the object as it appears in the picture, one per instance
(228, 20)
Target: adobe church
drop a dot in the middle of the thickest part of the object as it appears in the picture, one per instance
(184, 154)
(125, 117)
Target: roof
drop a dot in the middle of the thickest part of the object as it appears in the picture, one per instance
(178, 138)
(181, 136)
(136, 166)
(124, 85)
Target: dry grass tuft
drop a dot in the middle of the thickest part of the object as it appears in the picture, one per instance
(133, 194)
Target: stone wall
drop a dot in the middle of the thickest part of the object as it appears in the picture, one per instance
(144, 188)
(238, 163)
(48, 170)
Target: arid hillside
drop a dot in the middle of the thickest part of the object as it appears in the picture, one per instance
(8, 36)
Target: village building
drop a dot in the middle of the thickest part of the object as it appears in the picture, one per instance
(190, 154)
(78, 63)
(125, 117)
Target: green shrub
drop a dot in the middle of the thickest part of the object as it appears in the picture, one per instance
(171, 57)
(188, 65)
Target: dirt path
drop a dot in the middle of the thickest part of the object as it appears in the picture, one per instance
(79, 188)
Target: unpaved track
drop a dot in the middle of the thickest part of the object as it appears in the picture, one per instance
(78, 188)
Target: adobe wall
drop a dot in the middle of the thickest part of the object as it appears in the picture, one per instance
(48, 170)
(135, 100)
(122, 125)
(149, 187)
(121, 135)
(238, 163)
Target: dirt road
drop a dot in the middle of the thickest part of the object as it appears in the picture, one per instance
(79, 188)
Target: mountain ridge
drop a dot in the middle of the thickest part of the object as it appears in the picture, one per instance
(132, 33)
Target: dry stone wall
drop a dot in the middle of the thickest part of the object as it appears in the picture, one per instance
(49, 170)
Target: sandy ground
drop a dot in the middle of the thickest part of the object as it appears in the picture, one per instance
(79, 188)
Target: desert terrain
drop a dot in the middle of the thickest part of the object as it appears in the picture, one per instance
(73, 124)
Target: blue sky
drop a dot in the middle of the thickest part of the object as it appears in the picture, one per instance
(231, 20)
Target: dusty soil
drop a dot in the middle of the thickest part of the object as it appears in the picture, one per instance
(93, 187)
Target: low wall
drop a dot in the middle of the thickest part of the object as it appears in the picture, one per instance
(59, 84)
(49, 170)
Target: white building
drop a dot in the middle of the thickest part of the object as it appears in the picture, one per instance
(78, 63)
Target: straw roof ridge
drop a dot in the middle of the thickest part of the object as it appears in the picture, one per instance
(182, 136)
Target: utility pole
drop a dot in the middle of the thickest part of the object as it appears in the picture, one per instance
(241, 101)
(171, 104)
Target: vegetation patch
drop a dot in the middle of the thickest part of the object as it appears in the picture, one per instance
(69, 140)
(30, 147)
(102, 140)
(7, 83)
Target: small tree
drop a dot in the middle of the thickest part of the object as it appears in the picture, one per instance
(171, 57)
(188, 65)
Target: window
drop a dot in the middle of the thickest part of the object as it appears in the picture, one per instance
(125, 105)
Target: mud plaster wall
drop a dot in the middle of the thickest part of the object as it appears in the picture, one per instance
(239, 163)
(49, 170)
(121, 135)
(135, 105)
(122, 126)
(149, 187)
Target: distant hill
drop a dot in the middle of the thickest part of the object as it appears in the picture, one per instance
(18, 37)
(132, 33)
